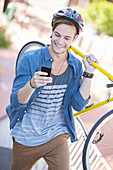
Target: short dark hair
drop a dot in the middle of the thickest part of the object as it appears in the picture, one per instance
(63, 20)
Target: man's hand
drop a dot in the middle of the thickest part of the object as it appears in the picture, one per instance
(88, 60)
(40, 79)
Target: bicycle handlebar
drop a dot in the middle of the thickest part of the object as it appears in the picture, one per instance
(109, 85)
(93, 64)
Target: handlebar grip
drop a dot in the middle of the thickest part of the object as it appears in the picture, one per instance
(109, 85)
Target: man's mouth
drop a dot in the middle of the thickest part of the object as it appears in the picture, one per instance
(59, 46)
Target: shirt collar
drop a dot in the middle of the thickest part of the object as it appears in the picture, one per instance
(47, 54)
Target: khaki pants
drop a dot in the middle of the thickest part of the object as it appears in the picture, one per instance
(55, 153)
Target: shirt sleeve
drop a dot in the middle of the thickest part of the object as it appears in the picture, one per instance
(77, 101)
(22, 77)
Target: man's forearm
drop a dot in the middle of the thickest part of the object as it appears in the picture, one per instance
(85, 88)
(87, 75)
(25, 93)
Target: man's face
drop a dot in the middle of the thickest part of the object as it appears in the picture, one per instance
(62, 37)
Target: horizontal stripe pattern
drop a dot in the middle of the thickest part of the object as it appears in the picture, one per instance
(45, 118)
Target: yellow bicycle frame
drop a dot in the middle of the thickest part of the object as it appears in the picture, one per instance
(94, 64)
(93, 107)
(101, 70)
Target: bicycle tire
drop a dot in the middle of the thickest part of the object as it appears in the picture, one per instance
(91, 136)
(26, 47)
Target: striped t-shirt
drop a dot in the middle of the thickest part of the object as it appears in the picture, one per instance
(45, 119)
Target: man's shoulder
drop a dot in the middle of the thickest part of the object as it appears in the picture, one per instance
(34, 53)
(74, 58)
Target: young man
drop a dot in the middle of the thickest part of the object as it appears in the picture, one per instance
(40, 112)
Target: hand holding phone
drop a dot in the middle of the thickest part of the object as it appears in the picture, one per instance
(38, 80)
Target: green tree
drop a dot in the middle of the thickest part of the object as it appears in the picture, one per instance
(101, 13)
(5, 41)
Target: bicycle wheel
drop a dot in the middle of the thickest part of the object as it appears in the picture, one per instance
(28, 46)
(98, 148)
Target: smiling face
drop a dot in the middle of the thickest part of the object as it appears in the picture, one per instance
(62, 37)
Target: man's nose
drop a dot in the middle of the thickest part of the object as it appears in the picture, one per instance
(61, 40)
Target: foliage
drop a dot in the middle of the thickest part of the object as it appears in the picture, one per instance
(100, 12)
(5, 41)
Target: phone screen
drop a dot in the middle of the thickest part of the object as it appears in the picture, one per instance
(46, 69)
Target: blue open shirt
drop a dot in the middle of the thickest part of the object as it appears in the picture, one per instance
(27, 66)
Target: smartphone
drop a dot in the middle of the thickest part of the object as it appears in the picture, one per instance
(46, 69)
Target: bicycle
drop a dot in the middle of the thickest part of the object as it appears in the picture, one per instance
(96, 140)
(90, 161)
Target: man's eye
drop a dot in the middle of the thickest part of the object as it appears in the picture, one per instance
(67, 38)
(58, 35)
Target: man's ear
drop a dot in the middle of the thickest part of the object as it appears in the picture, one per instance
(51, 32)
(75, 37)
(52, 29)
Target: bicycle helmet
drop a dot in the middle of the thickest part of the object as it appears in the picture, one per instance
(70, 15)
